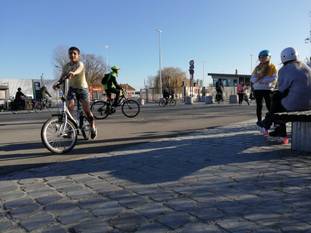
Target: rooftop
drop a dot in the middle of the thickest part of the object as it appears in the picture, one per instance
(229, 75)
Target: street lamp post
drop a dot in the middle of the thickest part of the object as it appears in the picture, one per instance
(160, 61)
(107, 50)
(251, 55)
(308, 39)
(203, 77)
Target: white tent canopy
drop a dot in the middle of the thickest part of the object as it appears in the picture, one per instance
(27, 86)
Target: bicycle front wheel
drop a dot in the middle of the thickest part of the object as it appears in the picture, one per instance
(130, 108)
(173, 102)
(99, 109)
(56, 138)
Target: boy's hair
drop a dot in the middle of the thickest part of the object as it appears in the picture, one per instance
(74, 49)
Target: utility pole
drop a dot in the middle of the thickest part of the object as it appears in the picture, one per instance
(203, 74)
(107, 55)
(160, 61)
(251, 55)
(308, 39)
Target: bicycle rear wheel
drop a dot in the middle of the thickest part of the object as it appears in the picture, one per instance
(99, 109)
(130, 108)
(162, 102)
(37, 106)
(55, 138)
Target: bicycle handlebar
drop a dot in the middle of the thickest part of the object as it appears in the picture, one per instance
(61, 81)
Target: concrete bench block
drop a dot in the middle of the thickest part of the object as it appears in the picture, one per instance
(233, 99)
(208, 99)
(301, 134)
(189, 100)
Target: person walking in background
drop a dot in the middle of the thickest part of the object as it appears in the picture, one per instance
(19, 100)
(219, 90)
(264, 79)
(241, 90)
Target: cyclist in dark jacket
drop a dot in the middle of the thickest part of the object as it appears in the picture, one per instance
(19, 99)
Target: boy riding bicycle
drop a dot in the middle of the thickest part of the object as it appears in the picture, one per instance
(78, 87)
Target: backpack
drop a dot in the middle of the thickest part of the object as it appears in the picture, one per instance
(105, 79)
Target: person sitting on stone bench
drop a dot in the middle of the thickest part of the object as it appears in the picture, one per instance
(293, 94)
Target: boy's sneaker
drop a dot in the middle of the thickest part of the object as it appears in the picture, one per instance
(93, 133)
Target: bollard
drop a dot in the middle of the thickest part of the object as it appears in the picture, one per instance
(301, 133)
(142, 102)
(189, 100)
(208, 99)
(233, 99)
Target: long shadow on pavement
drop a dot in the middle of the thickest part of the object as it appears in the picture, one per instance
(164, 161)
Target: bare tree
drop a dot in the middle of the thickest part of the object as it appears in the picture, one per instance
(172, 79)
(95, 67)
(60, 59)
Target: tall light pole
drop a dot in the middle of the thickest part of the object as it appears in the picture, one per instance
(203, 74)
(251, 55)
(308, 39)
(160, 60)
(107, 50)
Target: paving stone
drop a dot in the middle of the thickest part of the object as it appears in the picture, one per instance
(53, 229)
(74, 216)
(175, 220)
(37, 221)
(152, 210)
(207, 214)
(91, 226)
(49, 199)
(236, 224)
(152, 228)
(18, 203)
(200, 228)
(127, 221)
(181, 204)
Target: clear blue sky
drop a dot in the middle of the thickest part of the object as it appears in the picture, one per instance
(221, 32)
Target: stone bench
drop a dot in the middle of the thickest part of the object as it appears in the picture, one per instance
(301, 128)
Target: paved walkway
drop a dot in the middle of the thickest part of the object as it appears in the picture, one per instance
(218, 180)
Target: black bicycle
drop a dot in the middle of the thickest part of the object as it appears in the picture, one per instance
(102, 109)
(39, 105)
(167, 102)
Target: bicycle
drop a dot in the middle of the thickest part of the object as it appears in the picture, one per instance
(39, 105)
(102, 109)
(59, 134)
(165, 102)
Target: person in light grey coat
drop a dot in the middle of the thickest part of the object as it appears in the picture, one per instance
(294, 90)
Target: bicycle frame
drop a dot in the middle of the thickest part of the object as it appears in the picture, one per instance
(65, 113)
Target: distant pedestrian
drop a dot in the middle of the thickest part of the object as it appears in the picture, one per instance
(219, 90)
(241, 90)
(19, 100)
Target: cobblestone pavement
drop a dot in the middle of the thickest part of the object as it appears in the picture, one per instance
(225, 179)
